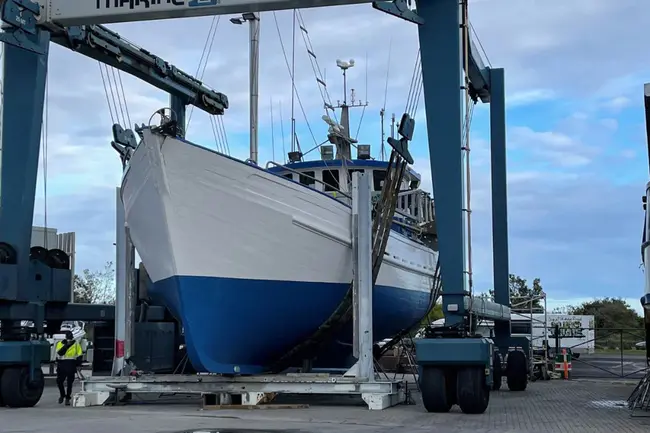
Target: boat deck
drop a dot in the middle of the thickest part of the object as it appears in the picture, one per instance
(550, 407)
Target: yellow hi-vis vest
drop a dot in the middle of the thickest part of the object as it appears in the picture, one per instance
(73, 351)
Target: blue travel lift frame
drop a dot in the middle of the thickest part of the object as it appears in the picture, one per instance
(35, 284)
(457, 367)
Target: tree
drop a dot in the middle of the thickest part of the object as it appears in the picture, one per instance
(616, 323)
(95, 287)
(521, 295)
(610, 313)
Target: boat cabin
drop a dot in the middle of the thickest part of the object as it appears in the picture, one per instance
(334, 176)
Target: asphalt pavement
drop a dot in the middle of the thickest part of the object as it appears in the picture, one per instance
(609, 366)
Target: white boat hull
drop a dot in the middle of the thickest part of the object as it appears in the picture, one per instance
(252, 262)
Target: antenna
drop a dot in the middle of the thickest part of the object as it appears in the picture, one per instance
(272, 132)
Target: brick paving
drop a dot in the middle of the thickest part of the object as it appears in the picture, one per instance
(546, 407)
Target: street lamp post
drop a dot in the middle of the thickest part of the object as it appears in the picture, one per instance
(253, 20)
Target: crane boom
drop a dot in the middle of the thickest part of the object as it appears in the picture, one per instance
(56, 14)
(100, 43)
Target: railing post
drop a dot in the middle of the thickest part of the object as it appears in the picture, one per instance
(621, 348)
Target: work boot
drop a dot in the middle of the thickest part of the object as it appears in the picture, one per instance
(60, 400)
(67, 401)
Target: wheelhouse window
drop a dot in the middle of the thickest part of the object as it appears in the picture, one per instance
(331, 180)
(378, 178)
(354, 170)
(288, 176)
(308, 178)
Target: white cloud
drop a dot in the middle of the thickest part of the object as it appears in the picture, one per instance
(617, 104)
(528, 97)
(559, 148)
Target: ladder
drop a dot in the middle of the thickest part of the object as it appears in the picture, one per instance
(383, 213)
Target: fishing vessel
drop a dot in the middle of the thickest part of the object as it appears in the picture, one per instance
(253, 259)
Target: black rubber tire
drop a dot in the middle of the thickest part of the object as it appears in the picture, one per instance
(497, 372)
(517, 371)
(433, 386)
(473, 393)
(17, 390)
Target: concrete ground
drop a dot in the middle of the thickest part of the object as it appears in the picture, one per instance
(546, 407)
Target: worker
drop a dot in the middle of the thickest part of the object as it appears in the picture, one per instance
(68, 357)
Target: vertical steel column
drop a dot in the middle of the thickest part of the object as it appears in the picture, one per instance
(24, 78)
(362, 286)
(120, 285)
(500, 253)
(178, 108)
(440, 42)
(125, 296)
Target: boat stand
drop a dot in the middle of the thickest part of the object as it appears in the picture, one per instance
(360, 380)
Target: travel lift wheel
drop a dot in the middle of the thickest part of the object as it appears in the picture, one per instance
(438, 388)
(473, 393)
(517, 370)
(443, 387)
(17, 390)
(497, 371)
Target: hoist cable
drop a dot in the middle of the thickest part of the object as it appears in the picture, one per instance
(126, 105)
(119, 99)
(108, 101)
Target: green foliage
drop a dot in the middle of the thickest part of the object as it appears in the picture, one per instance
(609, 313)
(95, 287)
(521, 294)
(617, 324)
(435, 314)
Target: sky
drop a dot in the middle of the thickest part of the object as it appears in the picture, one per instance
(577, 158)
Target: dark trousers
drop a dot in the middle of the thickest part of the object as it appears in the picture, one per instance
(65, 371)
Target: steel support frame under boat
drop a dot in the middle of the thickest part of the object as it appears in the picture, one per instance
(359, 380)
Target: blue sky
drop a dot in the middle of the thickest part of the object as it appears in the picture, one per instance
(576, 147)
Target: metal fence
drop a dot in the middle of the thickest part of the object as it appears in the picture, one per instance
(600, 353)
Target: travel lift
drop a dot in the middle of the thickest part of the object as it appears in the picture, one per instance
(37, 285)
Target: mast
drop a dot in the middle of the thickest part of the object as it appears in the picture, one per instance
(253, 20)
(343, 149)
(254, 29)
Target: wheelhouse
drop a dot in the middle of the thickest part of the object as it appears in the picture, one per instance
(333, 177)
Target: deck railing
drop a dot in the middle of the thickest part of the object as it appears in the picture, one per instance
(417, 205)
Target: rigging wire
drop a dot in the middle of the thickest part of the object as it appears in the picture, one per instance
(272, 132)
(383, 108)
(205, 54)
(284, 150)
(321, 79)
(298, 99)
